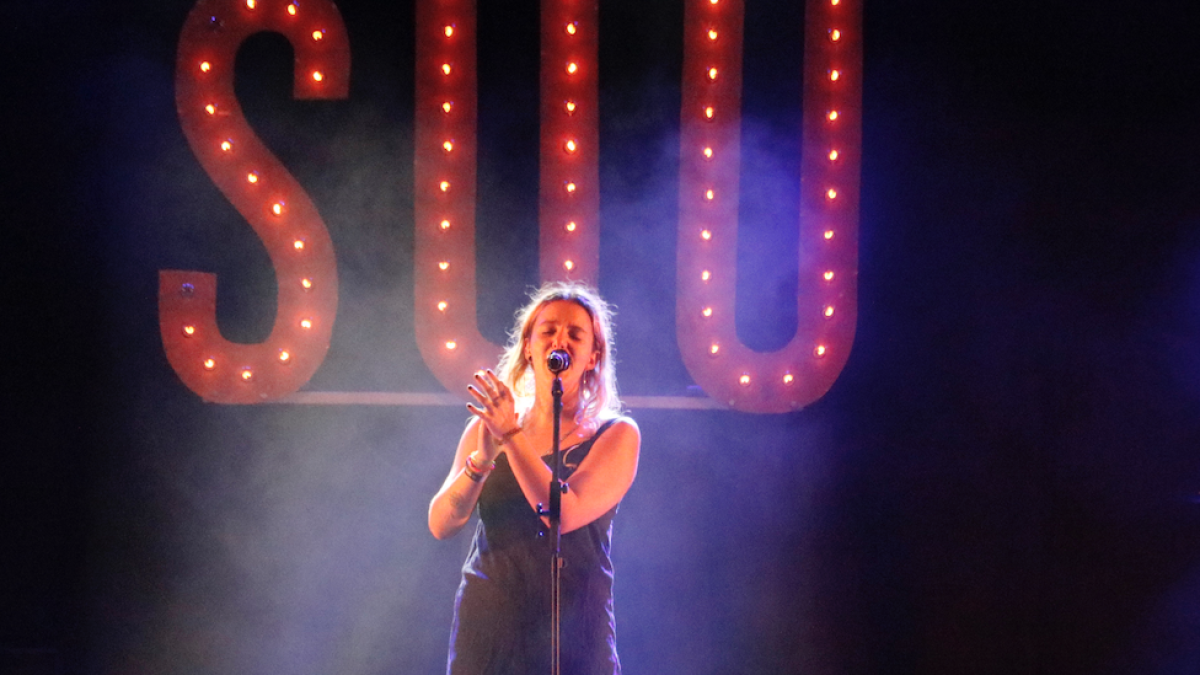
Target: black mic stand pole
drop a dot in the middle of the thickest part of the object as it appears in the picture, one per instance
(554, 515)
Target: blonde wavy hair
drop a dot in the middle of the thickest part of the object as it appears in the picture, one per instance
(598, 398)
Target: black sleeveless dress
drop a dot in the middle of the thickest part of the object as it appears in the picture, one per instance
(502, 610)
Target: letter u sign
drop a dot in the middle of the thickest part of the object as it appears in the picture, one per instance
(282, 215)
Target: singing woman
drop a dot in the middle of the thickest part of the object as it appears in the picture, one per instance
(502, 620)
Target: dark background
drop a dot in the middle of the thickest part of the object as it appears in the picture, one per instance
(1003, 480)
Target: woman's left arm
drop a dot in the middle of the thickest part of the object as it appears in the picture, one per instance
(599, 483)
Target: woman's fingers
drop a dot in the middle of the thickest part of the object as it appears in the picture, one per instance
(493, 382)
(487, 385)
(491, 388)
(502, 390)
(495, 401)
(490, 402)
(480, 395)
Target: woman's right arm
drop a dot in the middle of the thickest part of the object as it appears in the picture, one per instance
(451, 507)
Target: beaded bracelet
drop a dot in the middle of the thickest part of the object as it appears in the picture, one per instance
(480, 469)
(476, 477)
(475, 472)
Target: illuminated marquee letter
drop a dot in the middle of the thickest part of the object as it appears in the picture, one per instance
(807, 366)
(264, 192)
(445, 287)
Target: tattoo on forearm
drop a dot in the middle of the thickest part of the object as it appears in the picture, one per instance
(458, 502)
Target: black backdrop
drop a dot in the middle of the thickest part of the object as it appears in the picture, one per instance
(1004, 478)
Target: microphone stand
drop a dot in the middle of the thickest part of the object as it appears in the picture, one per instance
(554, 515)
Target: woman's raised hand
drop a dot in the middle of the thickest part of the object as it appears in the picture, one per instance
(497, 409)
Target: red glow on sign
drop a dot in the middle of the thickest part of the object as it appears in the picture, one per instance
(240, 165)
(447, 108)
(445, 287)
(803, 370)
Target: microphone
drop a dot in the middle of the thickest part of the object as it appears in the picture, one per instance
(558, 361)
